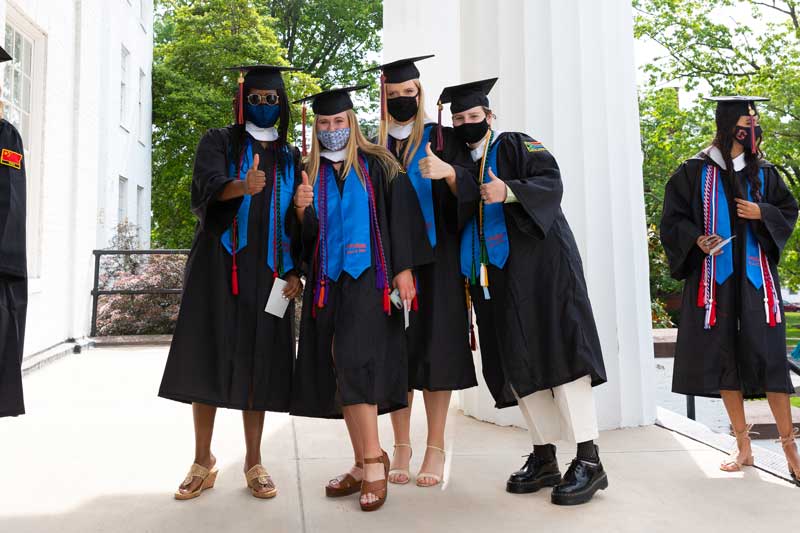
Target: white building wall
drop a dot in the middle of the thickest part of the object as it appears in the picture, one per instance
(77, 150)
(567, 77)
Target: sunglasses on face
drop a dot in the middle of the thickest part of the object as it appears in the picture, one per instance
(261, 99)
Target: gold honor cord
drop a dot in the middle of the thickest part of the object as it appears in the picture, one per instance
(484, 254)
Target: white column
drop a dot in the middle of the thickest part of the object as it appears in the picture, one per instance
(567, 78)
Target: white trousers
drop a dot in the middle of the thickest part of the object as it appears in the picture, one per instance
(565, 413)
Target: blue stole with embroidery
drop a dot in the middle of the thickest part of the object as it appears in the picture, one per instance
(281, 199)
(484, 239)
(422, 186)
(346, 219)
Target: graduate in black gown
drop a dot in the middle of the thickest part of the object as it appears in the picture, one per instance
(425, 253)
(539, 343)
(13, 266)
(351, 360)
(226, 350)
(727, 216)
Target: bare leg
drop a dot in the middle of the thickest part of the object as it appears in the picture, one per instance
(782, 411)
(358, 451)
(366, 417)
(204, 416)
(401, 424)
(436, 406)
(253, 430)
(734, 404)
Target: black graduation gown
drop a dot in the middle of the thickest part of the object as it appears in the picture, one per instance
(752, 357)
(537, 330)
(13, 270)
(351, 352)
(439, 355)
(226, 350)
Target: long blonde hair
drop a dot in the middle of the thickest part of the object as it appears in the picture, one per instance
(412, 143)
(357, 142)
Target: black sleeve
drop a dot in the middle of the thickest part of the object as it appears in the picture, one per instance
(383, 206)
(209, 178)
(778, 215)
(293, 229)
(12, 205)
(679, 232)
(447, 204)
(536, 183)
(409, 239)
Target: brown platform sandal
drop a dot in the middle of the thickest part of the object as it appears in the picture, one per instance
(346, 485)
(209, 477)
(733, 464)
(256, 476)
(788, 442)
(379, 488)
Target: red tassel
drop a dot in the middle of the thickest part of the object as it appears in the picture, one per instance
(234, 277)
(415, 301)
(304, 130)
(473, 344)
(753, 148)
(387, 307)
(439, 135)
(321, 301)
(701, 292)
(712, 319)
(240, 117)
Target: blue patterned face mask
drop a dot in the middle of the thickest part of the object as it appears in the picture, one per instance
(334, 140)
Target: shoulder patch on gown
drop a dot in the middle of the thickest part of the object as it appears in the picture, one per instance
(534, 146)
(11, 158)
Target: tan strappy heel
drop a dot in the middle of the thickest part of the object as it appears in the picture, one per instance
(437, 478)
(733, 464)
(208, 477)
(346, 484)
(256, 476)
(401, 471)
(786, 442)
(379, 488)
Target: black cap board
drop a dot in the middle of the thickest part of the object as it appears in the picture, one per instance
(332, 101)
(467, 95)
(4, 56)
(263, 76)
(400, 70)
(746, 104)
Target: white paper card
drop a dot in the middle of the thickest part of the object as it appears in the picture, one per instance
(277, 303)
(718, 247)
(405, 313)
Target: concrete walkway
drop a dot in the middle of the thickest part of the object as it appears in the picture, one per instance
(98, 451)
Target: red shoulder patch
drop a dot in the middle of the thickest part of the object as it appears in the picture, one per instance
(11, 158)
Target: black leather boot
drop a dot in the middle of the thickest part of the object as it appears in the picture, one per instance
(535, 474)
(582, 480)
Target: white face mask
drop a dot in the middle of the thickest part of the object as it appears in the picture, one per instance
(400, 132)
(261, 134)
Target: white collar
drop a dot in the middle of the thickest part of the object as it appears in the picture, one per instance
(400, 131)
(477, 152)
(261, 134)
(716, 155)
(336, 157)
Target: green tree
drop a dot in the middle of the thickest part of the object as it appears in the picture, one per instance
(195, 41)
(707, 50)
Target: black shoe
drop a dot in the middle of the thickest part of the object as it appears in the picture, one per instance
(582, 480)
(535, 474)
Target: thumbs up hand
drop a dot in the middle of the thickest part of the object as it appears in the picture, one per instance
(255, 180)
(494, 191)
(304, 196)
(433, 168)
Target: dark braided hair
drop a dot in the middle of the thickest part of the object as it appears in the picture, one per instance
(726, 119)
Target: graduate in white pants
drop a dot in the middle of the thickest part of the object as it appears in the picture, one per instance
(538, 338)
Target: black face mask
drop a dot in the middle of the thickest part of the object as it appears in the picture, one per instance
(402, 108)
(742, 135)
(471, 132)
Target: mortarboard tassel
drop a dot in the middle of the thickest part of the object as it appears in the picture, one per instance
(303, 120)
(415, 301)
(234, 268)
(439, 135)
(383, 101)
(240, 111)
(753, 147)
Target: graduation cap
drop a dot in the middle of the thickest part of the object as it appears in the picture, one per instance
(397, 72)
(746, 106)
(328, 102)
(463, 97)
(4, 56)
(257, 77)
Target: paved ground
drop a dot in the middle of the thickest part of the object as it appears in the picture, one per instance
(99, 451)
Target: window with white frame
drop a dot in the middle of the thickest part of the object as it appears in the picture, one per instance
(142, 118)
(22, 95)
(123, 86)
(122, 201)
(140, 215)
